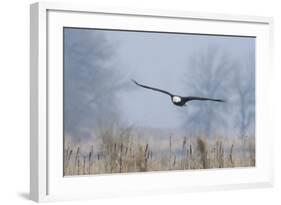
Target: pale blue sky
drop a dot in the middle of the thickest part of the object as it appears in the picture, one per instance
(162, 60)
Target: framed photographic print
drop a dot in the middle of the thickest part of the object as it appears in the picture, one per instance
(127, 102)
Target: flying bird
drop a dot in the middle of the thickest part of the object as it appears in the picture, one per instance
(176, 99)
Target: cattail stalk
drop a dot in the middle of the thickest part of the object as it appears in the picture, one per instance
(230, 155)
(170, 158)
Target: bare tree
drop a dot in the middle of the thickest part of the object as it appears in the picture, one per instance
(245, 88)
(90, 81)
(209, 74)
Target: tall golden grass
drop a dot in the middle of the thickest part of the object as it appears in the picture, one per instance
(122, 151)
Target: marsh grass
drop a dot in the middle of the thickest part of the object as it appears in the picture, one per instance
(123, 151)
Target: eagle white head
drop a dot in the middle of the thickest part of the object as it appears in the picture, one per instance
(176, 99)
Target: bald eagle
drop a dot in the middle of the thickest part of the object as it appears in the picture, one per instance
(176, 99)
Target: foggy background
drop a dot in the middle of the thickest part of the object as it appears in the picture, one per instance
(98, 92)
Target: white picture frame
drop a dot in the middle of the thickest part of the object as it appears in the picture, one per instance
(46, 179)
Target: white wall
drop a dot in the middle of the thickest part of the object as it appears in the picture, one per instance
(14, 103)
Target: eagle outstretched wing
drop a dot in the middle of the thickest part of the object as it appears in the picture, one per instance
(190, 98)
(151, 88)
